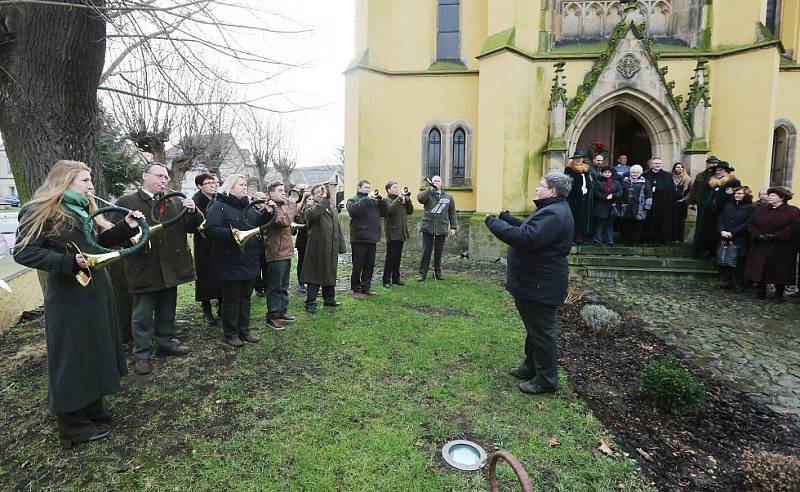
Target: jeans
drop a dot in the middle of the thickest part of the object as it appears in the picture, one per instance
(363, 266)
(391, 266)
(236, 307)
(435, 244)
(277, 287)
(603, 230)
(153, 313)
(541, 350)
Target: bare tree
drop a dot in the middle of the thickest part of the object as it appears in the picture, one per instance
(285, 159)
(339, 154)
(56, 54)
(264, 132)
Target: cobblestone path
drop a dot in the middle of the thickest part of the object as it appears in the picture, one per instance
(752, 345)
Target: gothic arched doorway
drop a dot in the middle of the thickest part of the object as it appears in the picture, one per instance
(622, 132)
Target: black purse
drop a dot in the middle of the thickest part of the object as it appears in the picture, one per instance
(618, 210)
(728, 254)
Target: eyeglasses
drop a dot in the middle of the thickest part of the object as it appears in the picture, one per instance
(159, 176)
(540, 186)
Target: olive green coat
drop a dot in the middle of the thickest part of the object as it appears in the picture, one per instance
(325, 242)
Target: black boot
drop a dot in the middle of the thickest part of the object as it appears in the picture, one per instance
(778, 298)
(208, 317)
(761, 291)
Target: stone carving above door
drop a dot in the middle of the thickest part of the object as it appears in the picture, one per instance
(628, 65)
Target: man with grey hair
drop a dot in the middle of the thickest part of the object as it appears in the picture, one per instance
(538, 276)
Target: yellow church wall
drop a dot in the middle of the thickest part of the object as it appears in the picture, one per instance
(790, 27)
(742, 112)
(788, 107)
(734, 22)
(513, 123)
(384, 124)
(401, 36)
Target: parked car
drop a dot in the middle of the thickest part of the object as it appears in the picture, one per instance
(12, 200)
(8, 230)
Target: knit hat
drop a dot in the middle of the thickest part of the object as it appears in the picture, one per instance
(636, 168)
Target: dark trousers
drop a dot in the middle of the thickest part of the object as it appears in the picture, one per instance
(391, 266)
(277, 287)
(301, 255)
(328, 294)
(603, 230)
(153, 313)
(236, 307)
(541, 351)
(632, 231)
(261, 281)
(436, 245)
(363, 266)
(78, 426)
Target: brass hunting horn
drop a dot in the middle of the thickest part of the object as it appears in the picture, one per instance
(242, 237)
(97, 261)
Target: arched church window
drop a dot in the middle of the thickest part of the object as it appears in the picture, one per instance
(784, 148)
(772, 20)
(434, 152)
(448, 34)
(459, 156)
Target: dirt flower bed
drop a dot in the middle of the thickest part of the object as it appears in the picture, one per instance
(700, 451)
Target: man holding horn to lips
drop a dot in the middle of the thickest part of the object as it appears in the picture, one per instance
(438, 222)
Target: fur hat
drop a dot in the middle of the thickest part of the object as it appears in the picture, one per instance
(782, 192)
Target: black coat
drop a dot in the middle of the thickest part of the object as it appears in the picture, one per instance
(230, 263)
(538, 249)
(658, 225)
(84, 352)
(581, 204)
(734, 220)
(602, 205)
(166, 262)
(365, 218)
(206, 287)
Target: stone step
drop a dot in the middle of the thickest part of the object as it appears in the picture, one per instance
(665, 250)
(637, 261)
(615, 272)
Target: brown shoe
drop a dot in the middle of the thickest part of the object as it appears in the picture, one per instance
(142, 367)
(175, 349)
(358, 295)
(370, 293)
(250, 338)
(235, 341)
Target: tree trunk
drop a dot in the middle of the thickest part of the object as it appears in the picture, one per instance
(50, 65)
(287, 181)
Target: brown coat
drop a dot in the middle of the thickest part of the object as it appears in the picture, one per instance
(773, 262)
(167, 262)
(396, 220)
(278, 234)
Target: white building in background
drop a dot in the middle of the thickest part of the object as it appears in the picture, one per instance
(7, 185)
(234, 160)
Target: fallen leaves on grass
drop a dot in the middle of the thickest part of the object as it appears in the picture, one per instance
(553, 442)
(606, 447)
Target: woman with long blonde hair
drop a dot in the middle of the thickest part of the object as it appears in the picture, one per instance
(84, 353)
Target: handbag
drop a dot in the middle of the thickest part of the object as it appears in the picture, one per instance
(728, 254)
(618, 210)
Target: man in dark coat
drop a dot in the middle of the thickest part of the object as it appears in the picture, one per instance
(719, 192)
(154, 274)
(581, 197)
(365, 211)
(325, 243)
(538, 276)
(699, 185)
(439, 221)
(396, 224)
(773, 255)
(658, 224)
(205, 287)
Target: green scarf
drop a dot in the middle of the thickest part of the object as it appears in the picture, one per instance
(77, 203)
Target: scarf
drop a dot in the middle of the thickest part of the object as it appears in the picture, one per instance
(715, 182)
(682, 180)
(578, 168)
(76, 202)
(609, 186)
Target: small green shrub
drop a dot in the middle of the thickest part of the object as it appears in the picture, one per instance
(767, 471)
(671, 387)
(599, 318)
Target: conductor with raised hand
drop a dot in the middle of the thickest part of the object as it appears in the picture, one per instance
(538, 276)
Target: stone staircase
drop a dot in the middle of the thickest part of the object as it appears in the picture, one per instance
(642, 262)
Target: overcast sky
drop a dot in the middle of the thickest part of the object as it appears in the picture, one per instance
(330, 48)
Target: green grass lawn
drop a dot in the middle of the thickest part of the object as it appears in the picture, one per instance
(361, 397)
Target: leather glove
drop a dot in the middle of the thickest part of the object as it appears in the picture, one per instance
(504, 215)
